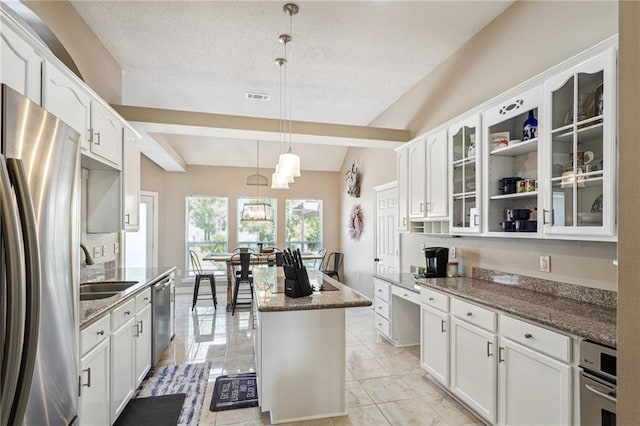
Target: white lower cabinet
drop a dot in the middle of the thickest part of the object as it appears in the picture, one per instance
(122, 366)
(534, 389)
(434, 344)
(473, 367)
(94, 365)
(143, 343)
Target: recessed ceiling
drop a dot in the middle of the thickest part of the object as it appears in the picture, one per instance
(350, 60)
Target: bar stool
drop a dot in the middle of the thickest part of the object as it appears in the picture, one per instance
(337, 264)
(244, 275)
(200, 274)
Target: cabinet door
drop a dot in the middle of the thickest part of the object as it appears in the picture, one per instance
(434, 344)
(417, 179)
(143, 343)
(580, 166)
(403, 188)
(122, 367)
(20, 66)
(534, 389)
(437, 176)
(65, 99)
(465, 160)
(94, 397)
(131, 181)
(106, 140)
(473, 368)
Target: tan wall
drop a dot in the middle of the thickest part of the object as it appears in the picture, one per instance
(528, 38)
(98, 68)
(231, 182)
(377, 166)
(629, 203)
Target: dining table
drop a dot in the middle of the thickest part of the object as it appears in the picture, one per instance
(257, 259)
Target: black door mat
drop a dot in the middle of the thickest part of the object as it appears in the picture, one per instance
(235, 391)
(161, 410)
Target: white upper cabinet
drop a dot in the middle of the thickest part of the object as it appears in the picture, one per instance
(402, 170)
(437, 176)
(580, 160)
(65, 99)
(131, 181)
(106, 138)
(20, 65)
(512, 171)
(417, 179)
(464, 155)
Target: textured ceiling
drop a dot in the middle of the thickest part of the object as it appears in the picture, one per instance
(350, 60)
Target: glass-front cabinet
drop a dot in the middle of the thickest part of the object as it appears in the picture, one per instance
(511, 167)
(581, 155)
(464, 154)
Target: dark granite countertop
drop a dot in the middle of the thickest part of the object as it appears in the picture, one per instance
(91, 310)
(587, 320)
(271, 297)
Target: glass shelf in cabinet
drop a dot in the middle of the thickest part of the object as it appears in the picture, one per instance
(462, 195)
(464, 161)
(531, 194)
(584, 181)
(514, 150)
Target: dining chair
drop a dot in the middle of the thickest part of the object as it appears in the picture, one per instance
(243, 276)
(335, 266)
(317, 264)
(201, 274)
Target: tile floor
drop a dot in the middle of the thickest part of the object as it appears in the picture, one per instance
(385, 385)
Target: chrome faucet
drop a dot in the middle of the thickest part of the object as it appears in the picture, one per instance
(88, 259)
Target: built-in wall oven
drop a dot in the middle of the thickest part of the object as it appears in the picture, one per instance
(598, 378)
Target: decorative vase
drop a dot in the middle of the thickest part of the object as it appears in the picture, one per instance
(530, 127)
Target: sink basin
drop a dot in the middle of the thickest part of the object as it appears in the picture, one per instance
(96, 296)
(105, 286)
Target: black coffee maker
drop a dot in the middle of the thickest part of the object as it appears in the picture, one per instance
(437, 258)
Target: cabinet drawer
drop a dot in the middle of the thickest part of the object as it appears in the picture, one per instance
(483, 318)
(435, 299)
(382, 325)
(94, 334)
(409, 295)
(143, 299)
(381, 290)
(381, 307)
(535, 337)
(122, 313)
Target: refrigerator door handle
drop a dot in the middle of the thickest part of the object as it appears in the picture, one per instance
(32, 256)
(15, 291)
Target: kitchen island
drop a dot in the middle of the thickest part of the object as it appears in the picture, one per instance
(300, 346)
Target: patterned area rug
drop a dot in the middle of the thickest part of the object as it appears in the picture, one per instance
(190, 379)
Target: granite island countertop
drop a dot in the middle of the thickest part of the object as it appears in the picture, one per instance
(587, 320)
(91, 310)
(269, 290)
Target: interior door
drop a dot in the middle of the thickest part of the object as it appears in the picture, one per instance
(142, 246)
(386, 242)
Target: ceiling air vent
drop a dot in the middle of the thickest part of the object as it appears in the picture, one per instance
(258, 96)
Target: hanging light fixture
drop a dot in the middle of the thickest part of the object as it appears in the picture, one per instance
(288, 163)
(278, 179)
(257, 211)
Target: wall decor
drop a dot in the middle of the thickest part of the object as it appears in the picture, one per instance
(352, 177)
(356, 222)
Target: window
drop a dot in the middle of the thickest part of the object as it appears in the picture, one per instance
(303, 225)
(252, 233)
(207, 222)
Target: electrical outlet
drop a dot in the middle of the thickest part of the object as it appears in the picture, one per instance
(96, 251)
(452, 252)
(104, 249)
(423, 246)
(179, 272)
(545, 263)
(116, 247)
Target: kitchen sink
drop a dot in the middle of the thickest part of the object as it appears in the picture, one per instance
(105, 286)
(97, 296)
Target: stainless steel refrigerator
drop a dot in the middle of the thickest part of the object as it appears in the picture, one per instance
(39, 201)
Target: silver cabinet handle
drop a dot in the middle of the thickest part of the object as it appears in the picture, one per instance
(146, 299)
(469, 314)
(428, 204)
(90, 135)
(406, 295)
(88, 384)
(528, 336)
(126, 218)
(431, 299)
(489, 354)
(28, 223)
(544, 216)
(127, 313)
(421, 207)
(442, 324)
(137, 329)
(404, 220)
(141, 327)
(500, 352)
(97, 140)
(100, 333)
(606, 396)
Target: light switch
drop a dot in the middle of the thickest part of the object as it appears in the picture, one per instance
(104, 249)
(116, 247)
(96, 251)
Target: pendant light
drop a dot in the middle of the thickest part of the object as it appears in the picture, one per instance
(278, 179)
(257, 211)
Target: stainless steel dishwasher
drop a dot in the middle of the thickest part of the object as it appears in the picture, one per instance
(161, 317)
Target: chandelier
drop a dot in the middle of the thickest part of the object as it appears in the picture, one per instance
(288, 166)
